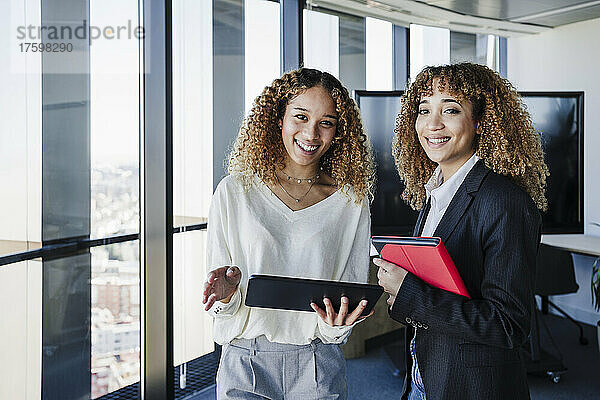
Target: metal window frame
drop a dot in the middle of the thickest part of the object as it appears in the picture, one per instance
(401, 57)
(291, 30)
(66, 248)
(156, 203)
(502, 57)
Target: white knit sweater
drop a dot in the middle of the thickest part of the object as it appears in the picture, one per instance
(255, 231)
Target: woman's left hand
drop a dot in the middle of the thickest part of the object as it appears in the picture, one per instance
(341, 318)
(390, 276)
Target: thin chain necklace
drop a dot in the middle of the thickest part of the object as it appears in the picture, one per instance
(299, 180)
(298, 199)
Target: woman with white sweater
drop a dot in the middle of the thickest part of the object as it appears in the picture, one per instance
(295, 203)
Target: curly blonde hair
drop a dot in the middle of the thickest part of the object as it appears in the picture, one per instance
(506, 140)
(258, 149)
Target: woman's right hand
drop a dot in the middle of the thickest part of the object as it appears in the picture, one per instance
(331, 318)
(220, 285)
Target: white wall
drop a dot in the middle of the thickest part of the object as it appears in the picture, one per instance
(568, 59)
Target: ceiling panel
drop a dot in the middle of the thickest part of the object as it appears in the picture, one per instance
(511, 9)
(568, 17)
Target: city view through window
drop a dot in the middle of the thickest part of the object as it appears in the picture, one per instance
(114, 182)
(115, 280)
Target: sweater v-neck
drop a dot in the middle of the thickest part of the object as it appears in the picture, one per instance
(286, 210)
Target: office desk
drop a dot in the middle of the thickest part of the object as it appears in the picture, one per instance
(575, 243)
(539, 360)
(581, 244)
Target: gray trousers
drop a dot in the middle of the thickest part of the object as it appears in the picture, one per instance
(259, 369)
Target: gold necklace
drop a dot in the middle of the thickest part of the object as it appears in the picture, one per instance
(299, 180)
(298, 199)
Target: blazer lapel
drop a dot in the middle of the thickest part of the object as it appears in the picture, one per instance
(422, 218)
(461, 201)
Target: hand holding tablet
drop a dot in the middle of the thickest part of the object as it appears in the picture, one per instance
(344, 317)
(297, 294)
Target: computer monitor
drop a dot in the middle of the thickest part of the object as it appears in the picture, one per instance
(558, 117)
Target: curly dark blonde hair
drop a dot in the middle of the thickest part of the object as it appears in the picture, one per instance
(506, 140)
(259, 150)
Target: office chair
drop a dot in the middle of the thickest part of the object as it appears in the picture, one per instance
(555, 275)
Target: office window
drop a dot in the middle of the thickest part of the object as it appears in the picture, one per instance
(115, 342)
(475, 48)
(20, 133)
(114, 185)
(192, 174)
(192, 325)
(357, 50)
(192, 111)
(335, 42)
(114, 122)
(69, 173)
(379, 55)
(321, 42)
(20, 205)
(366, 48)
(261, 46)
(428, 46)
(352, 52)
(21, 332)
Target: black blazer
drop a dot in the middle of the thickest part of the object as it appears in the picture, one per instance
(469, 348)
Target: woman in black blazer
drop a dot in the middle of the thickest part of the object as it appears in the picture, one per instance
(466, 149)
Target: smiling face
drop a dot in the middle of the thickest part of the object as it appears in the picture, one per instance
(307, 129)
(446, 130)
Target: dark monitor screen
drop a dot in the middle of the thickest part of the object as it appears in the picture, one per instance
(558, 117)
(390, 215)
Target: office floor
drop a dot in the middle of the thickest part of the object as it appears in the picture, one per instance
(371, 377)
(582, 380)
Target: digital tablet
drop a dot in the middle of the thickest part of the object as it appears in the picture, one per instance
(285, 293)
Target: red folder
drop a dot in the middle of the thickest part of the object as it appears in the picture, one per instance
(426, 257)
